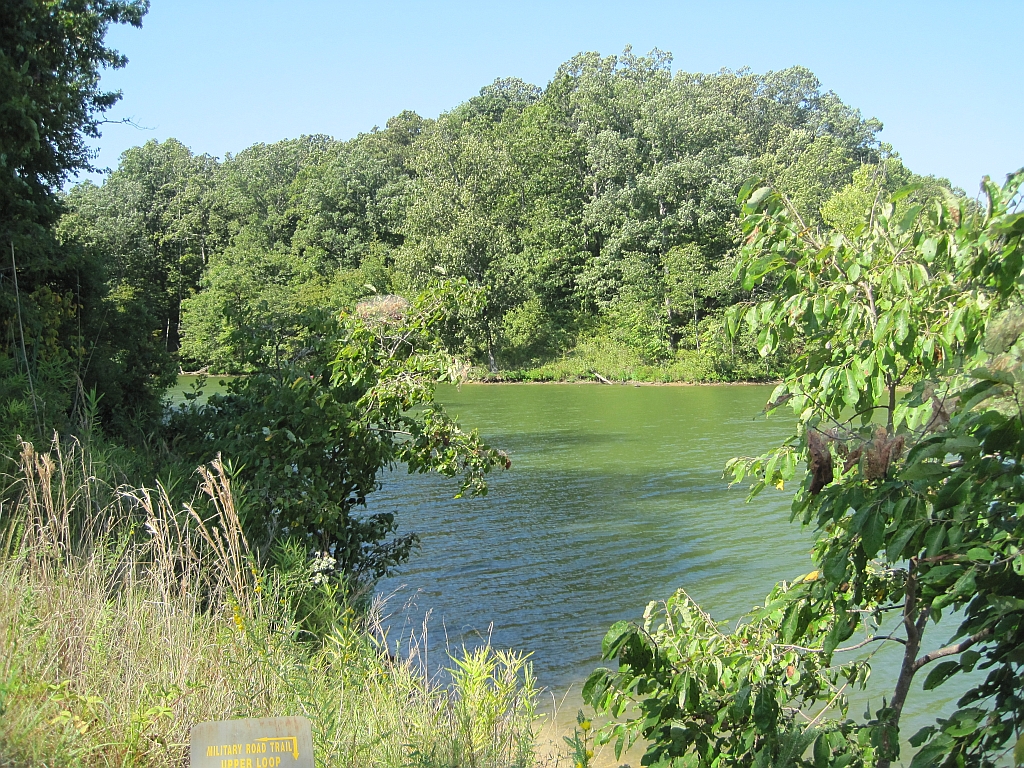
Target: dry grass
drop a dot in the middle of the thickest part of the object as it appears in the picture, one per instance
(125, 620)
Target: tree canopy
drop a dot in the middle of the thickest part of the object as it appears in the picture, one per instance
(906, 393)
(53, 295)
(600, 207)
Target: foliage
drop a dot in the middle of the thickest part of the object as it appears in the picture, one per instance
(310, 432)
(54, 312)
(581, 742)
(844, 211)
(118, 635)
(913, 498)
(297, 225)
(51, 55)
(150, 223)
(146, 232)
(603, 203)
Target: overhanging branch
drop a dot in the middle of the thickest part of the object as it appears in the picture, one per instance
(952, 650)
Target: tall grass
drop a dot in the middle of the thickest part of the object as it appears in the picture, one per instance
(126, 619)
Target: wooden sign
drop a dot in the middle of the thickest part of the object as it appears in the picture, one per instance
(269, 742)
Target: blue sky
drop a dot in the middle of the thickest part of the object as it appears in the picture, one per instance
(220, 75)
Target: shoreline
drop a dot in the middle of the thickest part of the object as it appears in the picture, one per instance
(588, 382)
(554, 382)
(591, 382)
(625, 383)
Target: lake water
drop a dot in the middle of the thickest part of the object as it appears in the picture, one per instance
(615, 498)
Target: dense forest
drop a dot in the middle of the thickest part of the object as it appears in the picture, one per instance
(596, 218)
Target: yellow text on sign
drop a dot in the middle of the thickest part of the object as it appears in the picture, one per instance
(250, 762)
(271, 744)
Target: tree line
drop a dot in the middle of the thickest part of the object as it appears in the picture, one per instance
(601, 208)
(98, 285)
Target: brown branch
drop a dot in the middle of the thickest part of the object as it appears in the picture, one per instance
(872, 639)
(952, 650)
(914, 622)
(805, 231)
(871, 302)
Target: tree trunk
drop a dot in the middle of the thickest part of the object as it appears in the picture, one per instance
(892, 406)
(491, 365)
(914, 624)
(696, 331)
(671, 330)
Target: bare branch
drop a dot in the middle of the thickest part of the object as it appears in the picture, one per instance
(867, 641)
(125, 121)
(872, 639)
(952, 650)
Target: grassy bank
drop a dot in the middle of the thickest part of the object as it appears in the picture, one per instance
(600, 358)
(126, 619)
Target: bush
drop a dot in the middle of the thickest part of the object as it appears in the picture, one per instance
(914, 499)
(308, 435)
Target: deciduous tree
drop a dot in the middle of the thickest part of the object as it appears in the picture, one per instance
(907, 398)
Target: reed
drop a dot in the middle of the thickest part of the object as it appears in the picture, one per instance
(125, 619)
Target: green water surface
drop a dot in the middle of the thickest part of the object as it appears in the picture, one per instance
(615, 498)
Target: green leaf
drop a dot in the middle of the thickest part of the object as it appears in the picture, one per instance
(822, 753)
(597, 683)
(741, 702)
(968, 659)
(908, 218)
(979, 393)
(902, 325)
(953, 492)
(964, 726)
(874, 532)
(894, 552)
(614, 639)
(765, 709)
(745, 190)
(1006, 604)
(921, 736)
(988, 374)
(940, 674)
(850, 394)
(934, 538)
(902, 192)
(751, 317)
(835, 566)
(1018, 752)
(1004, 437)
(859, 518)
(929, 248)
(923, 470)
(732, 323)
(961, 445)
(841, 629)
(790, 621)
(758, 197)
(931, 756)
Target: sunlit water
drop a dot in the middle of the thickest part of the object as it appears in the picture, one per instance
(615, 498)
